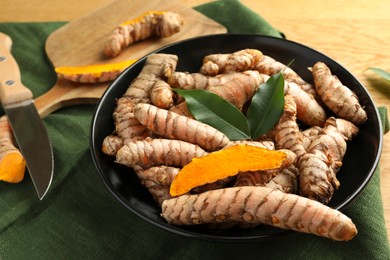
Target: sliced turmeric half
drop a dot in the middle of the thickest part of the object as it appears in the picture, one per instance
(93, 73)
(225, 163)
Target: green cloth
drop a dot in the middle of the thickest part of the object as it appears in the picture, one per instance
(80, 219)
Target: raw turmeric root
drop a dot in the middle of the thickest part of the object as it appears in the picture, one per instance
(319, 166)
(242, 60)
(270, 66)
(12, 163)
(162, 95)
(309, 111)
(185, 80)
(127, 127)
(285, 180)
(239, 89)
(111, 144)
(93, 73)
(150, 24)
(337, 97)
(225, 163)
(286, 132)
(259, 205)
(171, 125)
(157, 180)
(154, 152)
(158, 66)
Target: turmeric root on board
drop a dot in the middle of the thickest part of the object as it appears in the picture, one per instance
(225, 163)
(160, 24)
(171, 125)
(12, 163)
(93, 73)
(336, 96)
(259, 205)
(241, 60)
(154, 152)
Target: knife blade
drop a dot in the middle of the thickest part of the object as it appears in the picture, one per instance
(26, 124)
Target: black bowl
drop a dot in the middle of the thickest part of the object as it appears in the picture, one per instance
(359, 164)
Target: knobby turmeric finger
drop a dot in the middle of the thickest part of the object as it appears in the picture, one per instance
(286, 132)
(158, 66)
(224, 163)
(241, 60)
(160, 24)
(157, 180)
(154, 152)
(93, 73)
(270, 66)
(338, 97)
(259, 205)
(171, 125)
(309, 111)
(12, 163)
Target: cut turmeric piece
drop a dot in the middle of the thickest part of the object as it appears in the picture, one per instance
(12, 163)
(93, 73)
(224, 163)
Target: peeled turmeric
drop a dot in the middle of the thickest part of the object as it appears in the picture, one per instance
(336, 96)
(224, 163)
(12, 163)
(93, 73)
(259, 205)
(160, 24)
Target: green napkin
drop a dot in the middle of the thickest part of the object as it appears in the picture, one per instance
(80, 219)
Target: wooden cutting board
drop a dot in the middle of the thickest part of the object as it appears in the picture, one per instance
(81, 42)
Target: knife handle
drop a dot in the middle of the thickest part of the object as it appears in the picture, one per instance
(11, 88)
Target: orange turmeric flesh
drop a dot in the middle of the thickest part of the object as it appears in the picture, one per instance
(12, 167)
(93, 73)
(224, 163)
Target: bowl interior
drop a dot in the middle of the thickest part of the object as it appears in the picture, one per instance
(359, 163)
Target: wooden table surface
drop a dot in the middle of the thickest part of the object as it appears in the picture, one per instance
(353, 32)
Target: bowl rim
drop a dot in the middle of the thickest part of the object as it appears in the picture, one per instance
(190, 234)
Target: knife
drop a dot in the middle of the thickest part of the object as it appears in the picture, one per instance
(26, 124)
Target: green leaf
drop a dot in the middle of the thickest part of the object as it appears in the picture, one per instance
(267, 106)
(384, 74)
(215, 111)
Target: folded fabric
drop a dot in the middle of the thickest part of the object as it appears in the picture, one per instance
(80, 219)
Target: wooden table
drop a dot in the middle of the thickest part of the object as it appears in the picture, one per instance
(353, 32)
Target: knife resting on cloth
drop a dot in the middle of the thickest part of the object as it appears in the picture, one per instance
(26, 124)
